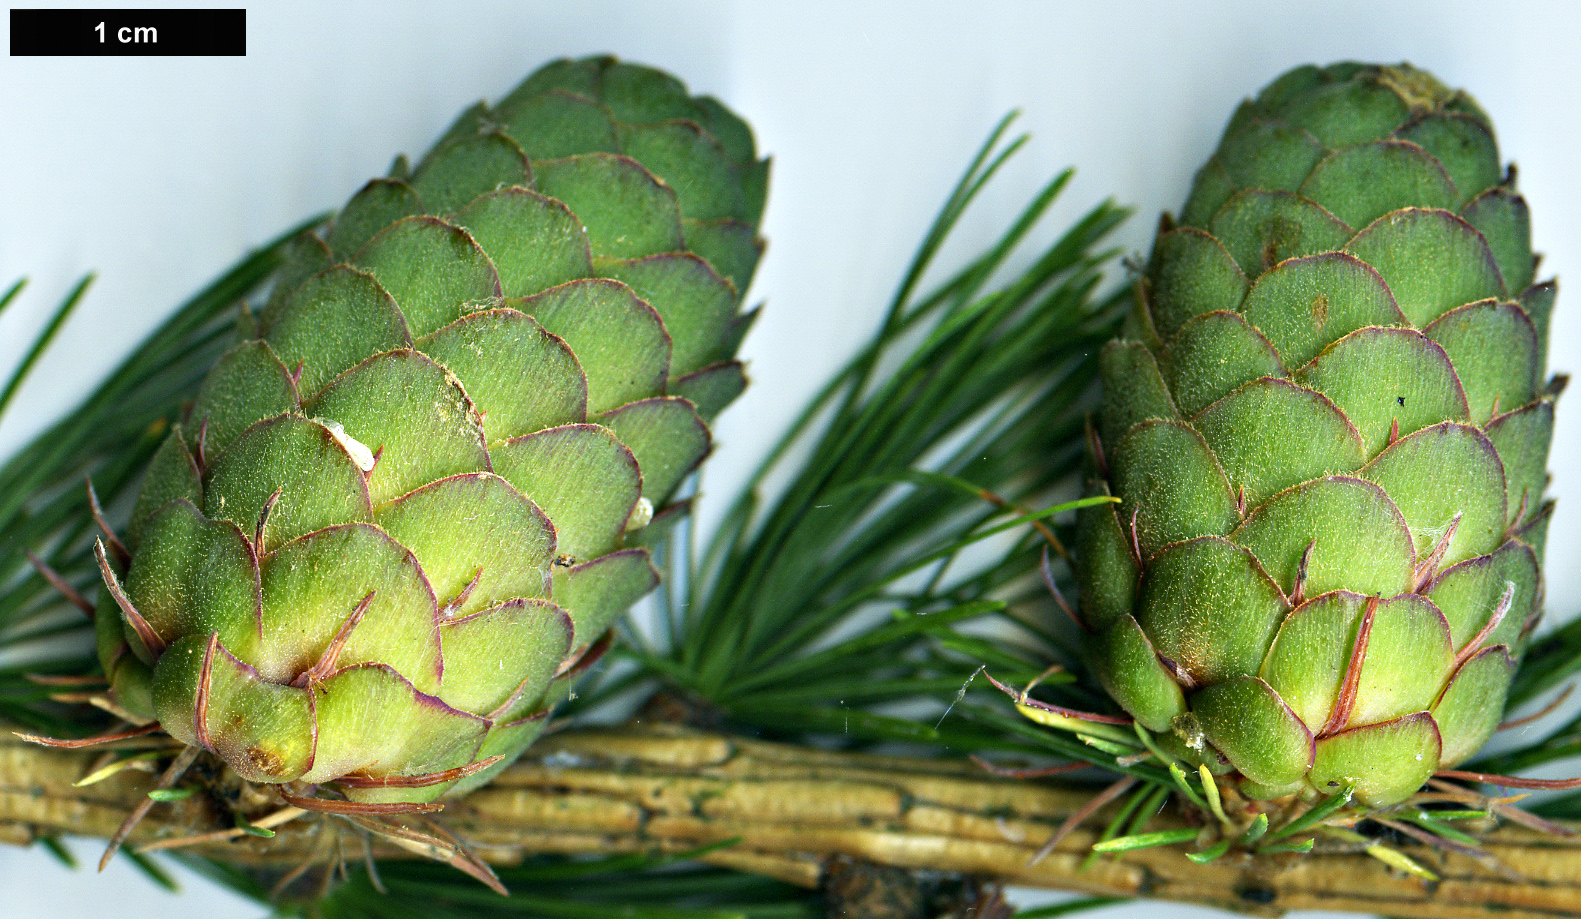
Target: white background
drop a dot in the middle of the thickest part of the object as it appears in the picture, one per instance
(158, 173)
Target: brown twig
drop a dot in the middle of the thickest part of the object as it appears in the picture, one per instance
(790, 809)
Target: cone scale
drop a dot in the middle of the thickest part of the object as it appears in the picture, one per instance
(1326, 429)
(403, 511)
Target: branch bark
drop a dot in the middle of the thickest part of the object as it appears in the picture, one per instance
(789, 809)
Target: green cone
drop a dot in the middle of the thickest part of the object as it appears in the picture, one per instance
(402, 512)
(1327, 431)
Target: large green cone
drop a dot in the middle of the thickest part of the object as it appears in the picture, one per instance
(1327, 431)
(403, 510)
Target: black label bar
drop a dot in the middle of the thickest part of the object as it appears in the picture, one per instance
(117, 33)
